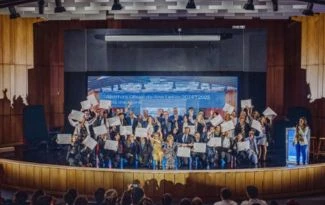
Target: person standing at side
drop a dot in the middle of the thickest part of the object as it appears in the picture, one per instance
(301, 140)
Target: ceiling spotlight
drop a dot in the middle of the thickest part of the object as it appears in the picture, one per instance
(13, 12)
(58, 7)
(41, 6)
(116, 5)
(309, 10)
(249, 5)
(190, 4)
(275, 5)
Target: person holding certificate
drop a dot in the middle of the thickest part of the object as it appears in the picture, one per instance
(132, 120)
(170, 152)
(199, 157)
(200, 123)
(185, 139)
(301, 140)
(115, 156)
(157, 152)
(144, 151)
(165, 124)
(73, 155)
(175, 119)
(225, 151)
(242, 127)
(262, 141)
(130, 150)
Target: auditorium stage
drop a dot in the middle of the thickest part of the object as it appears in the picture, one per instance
(272, 182)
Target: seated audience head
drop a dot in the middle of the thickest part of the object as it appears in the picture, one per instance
(273, 202)
(252, 192)
(137, 194)
(35, 196)
(99, 195)
(80, 200)
(167, 199)
(126, 198)
(20, 198)
(185, 201)
(111, 197)
(45, 200)
(196, 201)
(225, 194)
(292, 202)
(145, 201)
(70, 196)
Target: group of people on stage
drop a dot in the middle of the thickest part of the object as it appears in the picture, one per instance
(166, 132)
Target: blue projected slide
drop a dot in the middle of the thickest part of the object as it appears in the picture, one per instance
(166, 92)
(291, 149)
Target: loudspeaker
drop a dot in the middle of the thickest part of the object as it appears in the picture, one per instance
(34, 124)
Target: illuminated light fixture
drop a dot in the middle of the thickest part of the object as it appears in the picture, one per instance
(58, 7)
(13, 12)
(116, 5)
(190, 4)
(249, 5)
(163, 38)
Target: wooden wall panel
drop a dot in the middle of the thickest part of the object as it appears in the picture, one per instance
(16, 56)
(313, 62)
(271, 182)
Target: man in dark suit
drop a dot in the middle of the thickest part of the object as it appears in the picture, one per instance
(132, 120)
(176, 119)
(185, 139)
(166, 125)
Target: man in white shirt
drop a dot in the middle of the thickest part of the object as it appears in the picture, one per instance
(252, 194)
(225, 195)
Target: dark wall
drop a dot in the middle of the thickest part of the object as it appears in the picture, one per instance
(238, 50)
(46, 82)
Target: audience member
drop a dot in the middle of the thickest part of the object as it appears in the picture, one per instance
(145, 201)
(292, 202)
(36, 195)
(273, 202)
(45, 200)
(111, 197)
(99, 196)
(252, 195)
(196, 201)
(137, 194)
(185, 201)
(20, 198)
(167, 199)
(70, 196)
(2, 200)
(225, 195)
(126, 198)
(80, 200)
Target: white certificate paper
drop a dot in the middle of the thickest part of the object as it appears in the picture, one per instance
(183, 152)
(90, 142)
(111, 145)
(63, 139)
(199, 147)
